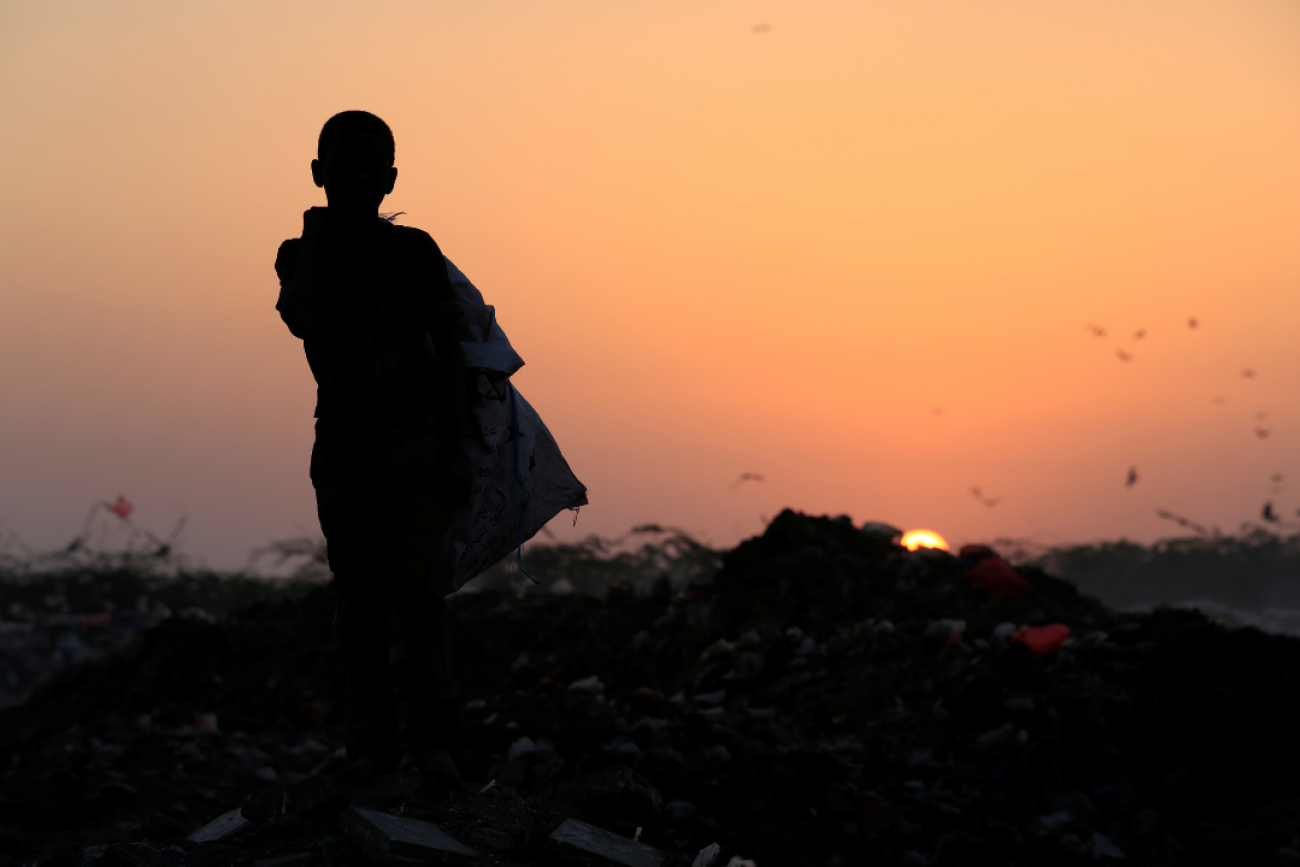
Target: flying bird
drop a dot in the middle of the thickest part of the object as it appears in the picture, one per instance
(1262, 433)
(1122, 355)
(761, 28)
(1192, 323)
(1268, 514)
(1248, 373)
(747, 477)
(987, 501)
(1141, 332)
(1132, 477)
(1097, 330)
(1277, 478)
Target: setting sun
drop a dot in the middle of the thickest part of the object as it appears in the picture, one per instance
(914, 539)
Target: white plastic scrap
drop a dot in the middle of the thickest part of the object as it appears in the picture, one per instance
(1101, 846)
(587, 684)
(707, 856)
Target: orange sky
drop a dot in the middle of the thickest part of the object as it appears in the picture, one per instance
(720, 251)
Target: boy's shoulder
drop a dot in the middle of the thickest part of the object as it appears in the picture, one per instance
(415, 239)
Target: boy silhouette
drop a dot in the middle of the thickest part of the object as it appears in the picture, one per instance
(373, 306)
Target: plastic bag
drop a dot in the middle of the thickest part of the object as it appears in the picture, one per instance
(521, 480)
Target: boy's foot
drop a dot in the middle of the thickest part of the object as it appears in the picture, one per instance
(438, 772)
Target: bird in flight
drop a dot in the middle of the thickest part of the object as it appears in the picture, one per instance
(1097, 330)
(987, 501)
(1141, 332)
(747, 477)
(1268, 514)
(1132, 477)
(1122, 355)
(1192, 323)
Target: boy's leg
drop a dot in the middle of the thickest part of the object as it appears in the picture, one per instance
(433, 710)
(347, 502)
(368, 701)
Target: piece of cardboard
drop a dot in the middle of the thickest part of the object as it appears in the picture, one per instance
(220, 828)
(390, 839)
(588, 844)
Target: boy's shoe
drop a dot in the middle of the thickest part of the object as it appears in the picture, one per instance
(439, 773)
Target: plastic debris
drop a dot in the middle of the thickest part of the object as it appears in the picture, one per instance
(1042, 639)
(869, 725)
(707, 856)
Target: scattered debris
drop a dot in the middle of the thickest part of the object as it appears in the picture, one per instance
(823, 697)
(224, 826)
(384, 838)
(589, 844)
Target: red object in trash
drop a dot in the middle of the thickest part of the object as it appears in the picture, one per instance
(121, 507)
(995, 579)
(1042, 639)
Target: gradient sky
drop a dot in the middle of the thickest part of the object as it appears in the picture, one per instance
(853, 247)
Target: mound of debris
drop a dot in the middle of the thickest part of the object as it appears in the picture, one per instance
(828, 698)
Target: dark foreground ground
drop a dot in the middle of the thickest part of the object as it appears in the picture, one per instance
(819, 703)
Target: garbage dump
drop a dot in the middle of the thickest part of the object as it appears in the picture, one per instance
(827, 698)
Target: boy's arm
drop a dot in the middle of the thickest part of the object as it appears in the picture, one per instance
(290, 305)
(453, 406)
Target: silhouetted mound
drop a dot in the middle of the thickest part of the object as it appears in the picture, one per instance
(828, 699)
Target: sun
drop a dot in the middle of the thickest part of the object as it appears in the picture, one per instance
(914, 539)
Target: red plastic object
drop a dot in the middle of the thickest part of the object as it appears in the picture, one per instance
(1042, 639)
(996, 580)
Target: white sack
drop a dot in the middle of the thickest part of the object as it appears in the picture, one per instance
(521, 480)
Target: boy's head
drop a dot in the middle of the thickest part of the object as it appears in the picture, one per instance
(354, 162)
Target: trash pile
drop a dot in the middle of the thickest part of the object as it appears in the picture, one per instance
(827, 698)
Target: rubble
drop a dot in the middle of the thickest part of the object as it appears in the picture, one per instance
(826, 698)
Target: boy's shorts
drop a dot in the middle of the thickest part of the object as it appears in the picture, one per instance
(378, 497)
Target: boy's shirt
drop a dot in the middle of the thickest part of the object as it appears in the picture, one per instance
(369, 304)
